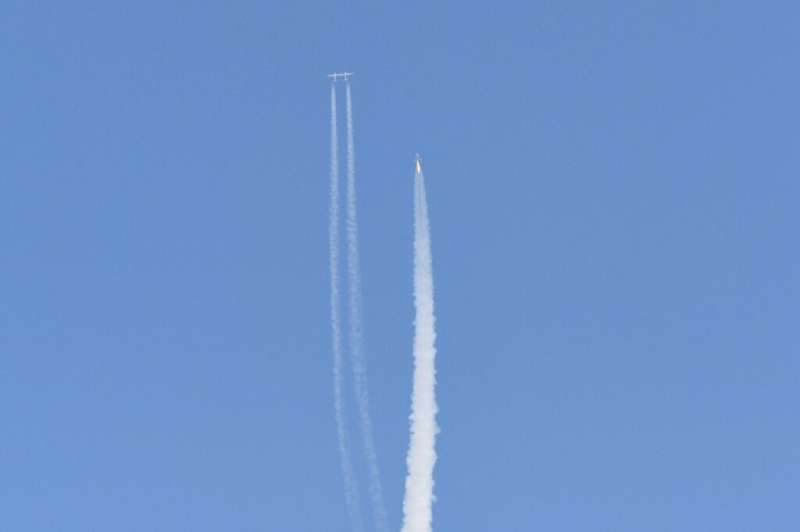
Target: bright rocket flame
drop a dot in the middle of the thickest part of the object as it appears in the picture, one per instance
(419, 167)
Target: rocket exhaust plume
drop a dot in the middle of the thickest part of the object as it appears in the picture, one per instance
(356, 329)
(350, 484)
(419, 497)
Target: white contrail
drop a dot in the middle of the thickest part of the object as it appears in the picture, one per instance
(350, 483)
(356, 333)
(418, 502)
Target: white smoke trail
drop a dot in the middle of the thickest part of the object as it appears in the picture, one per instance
(356, 332)
(350, 483)
(419, 497)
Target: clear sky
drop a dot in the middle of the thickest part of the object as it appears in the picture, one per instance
(613, 193)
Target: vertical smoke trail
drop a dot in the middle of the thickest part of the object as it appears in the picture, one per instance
(417, 505)
(350, 484)
(356, 334)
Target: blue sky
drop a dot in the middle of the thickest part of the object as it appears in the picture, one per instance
(613, 195)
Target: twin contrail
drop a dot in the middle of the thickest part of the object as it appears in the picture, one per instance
(350, 482)
(419, 497)
(356, 335)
